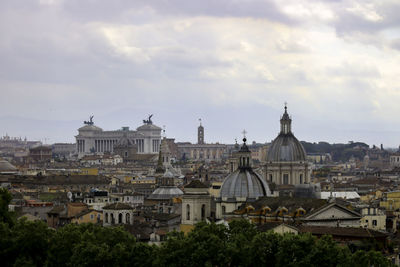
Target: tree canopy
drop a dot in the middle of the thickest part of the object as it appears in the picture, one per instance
(24, 243)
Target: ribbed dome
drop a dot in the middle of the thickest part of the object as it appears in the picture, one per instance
(286, 147)
(6, 166)
(244, 183)
(165, 192)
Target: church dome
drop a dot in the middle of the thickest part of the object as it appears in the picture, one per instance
(165, 192)
(244, 182)
(6, 166)
(286, 147)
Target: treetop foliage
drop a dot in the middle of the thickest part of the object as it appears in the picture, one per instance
(24, 243)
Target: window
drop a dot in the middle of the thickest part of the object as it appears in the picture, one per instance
(374, 223)
(106, 217)
(140, 143)
(187, 212)
(270, 178)
(301, 178)
(91, 216)
(203, 212)
(286, 179)
(120, 218)
(156, 145)
(128, 218)
(223, 209)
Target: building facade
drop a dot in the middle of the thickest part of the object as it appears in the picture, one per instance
(93, 140)
(201, 151)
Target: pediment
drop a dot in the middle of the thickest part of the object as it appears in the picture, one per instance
(333, 211)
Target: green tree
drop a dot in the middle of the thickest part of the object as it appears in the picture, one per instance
(5, 215)
(264, 249)
(294, 250)
(240, 234)
(91, 245)
(30, 242)
(363, 258)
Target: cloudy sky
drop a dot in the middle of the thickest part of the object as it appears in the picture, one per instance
(232, 63)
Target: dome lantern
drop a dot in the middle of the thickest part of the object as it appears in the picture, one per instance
(286, 122)
(244, 156)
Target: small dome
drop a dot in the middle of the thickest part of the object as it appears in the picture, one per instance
(148, 127)
(244, 183)
(6, 166)
(90, 128)
(165, 192)
(286, 147)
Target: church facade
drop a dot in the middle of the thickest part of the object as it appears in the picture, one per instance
(91, 139)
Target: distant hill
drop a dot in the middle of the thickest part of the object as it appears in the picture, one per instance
(339, 152)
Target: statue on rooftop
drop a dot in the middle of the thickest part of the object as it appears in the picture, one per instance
(148, 121)
(90, 122)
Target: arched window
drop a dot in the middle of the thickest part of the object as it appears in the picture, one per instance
(128, 218)
(301, 178)
(112, 218)
(203, 212)
(106, 217)
(120, 218)
(187, 212)
(223, 209)
(270, 178)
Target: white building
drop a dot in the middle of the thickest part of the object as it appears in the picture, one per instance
(93, 140)
(395, 160)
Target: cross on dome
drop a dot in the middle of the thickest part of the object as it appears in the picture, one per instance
(244, 135)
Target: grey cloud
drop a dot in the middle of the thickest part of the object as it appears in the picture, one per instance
(348, 22)
(352, 70)
(57, 65)
(395, 44)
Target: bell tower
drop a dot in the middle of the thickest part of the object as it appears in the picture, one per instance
(200, 134)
